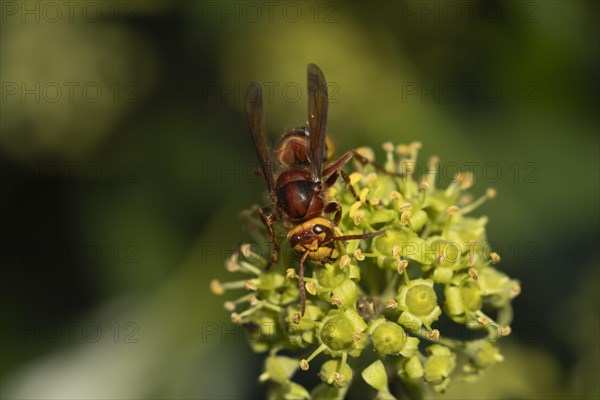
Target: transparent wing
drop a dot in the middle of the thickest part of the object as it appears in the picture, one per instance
(256, 124)
(317, 119)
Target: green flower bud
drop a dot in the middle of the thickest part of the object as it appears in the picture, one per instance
(263, 330)
(334, 374)
(342, 332)
(442, 275)
(410, 243)
(376, 376)
(383, 215)
(330, 277)
(384, 395)
(291, 391)
(496, 287)
(443, 253)
(411, 368)
(382, 187)
(418, 303)
(274, 288)
(418, 220)
(387, 262)
(438, 202)
(270, 281)
(454, 305)
(421, 299)
(302, 333)
(410, 348)
(467, 229)
(484, 353)
(328, 392)
(346, 293)
(464, 300)
(389, 338)
(337, 333)
(442, 386)
(471, 296)
(440, 364)
(279, 369)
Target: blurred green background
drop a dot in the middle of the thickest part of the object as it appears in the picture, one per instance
(125, 162)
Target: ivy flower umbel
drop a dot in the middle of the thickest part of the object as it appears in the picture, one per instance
(386, 293)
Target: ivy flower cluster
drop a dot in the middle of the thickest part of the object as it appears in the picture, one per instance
(411, 309)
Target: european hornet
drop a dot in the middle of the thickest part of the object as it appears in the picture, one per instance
(297, 191)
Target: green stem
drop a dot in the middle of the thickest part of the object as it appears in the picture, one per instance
(427, 230)
(505, 315)
(371, 280)
(441, 340)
